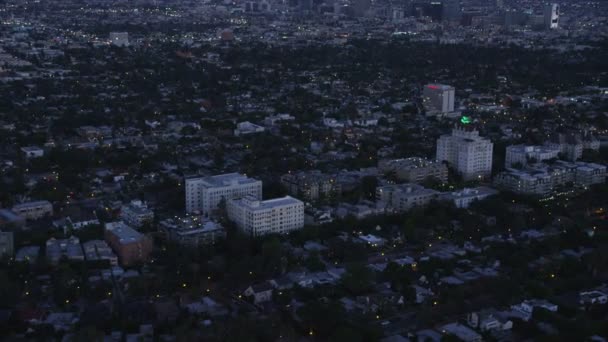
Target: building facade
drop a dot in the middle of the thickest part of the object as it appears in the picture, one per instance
(543, 180)
(131, 246)
(551, 16)
(311, 186)
(34, 210)
(524, 154)
(414, 170)
(276, 216)
(403, 197)
(7, 244)
(204, 194)
(136, 213)
(468, 153)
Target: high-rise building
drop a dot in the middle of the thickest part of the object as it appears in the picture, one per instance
(551, 15)
(467, 152)
(204, 194)
(438, 99)
(276, 216)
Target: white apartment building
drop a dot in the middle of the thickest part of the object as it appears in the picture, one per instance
(522, 154)
(438, 99)
(204, 194)
(276, 216)
(467, 152)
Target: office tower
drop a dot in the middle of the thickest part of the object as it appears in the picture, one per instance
(276, 216)
(204, 194)
(551, 16)
(467, 152)
(438, 99)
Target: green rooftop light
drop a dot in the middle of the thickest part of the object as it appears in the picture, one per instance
(465, 120)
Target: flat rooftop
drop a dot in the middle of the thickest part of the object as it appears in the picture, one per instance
(268, 204)
(226, 179)
(124, 233)
(31, 205)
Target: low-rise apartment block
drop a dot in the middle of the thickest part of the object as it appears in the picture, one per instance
(522, 155)
(311, 186)
(192, 231)
(403, 197)
(131, 246)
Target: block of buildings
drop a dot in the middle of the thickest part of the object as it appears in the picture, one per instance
(70, 248)
(131, 246)
(204, 194)
(192, 231)
(543, 179)
(136, 213)
(524, 154)
(33, 210)
(572, 144)
(311, 185)
(403, 197)
(414, 169)
(468, 153)
(275, 216)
